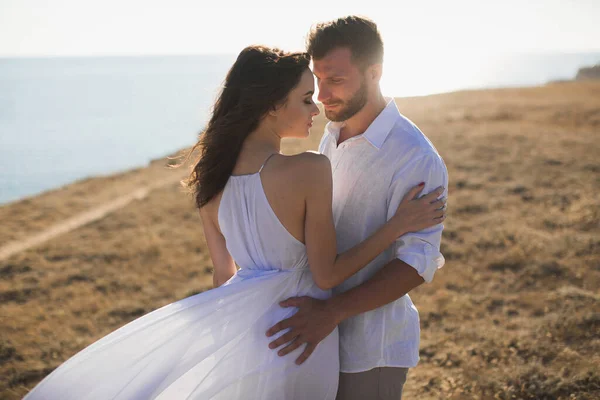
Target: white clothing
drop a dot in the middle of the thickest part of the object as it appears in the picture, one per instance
(213, 345)
(371, 174)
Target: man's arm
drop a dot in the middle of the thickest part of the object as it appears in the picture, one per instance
(316, 319)
(391, 282)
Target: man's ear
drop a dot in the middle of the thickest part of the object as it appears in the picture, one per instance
(374, 72)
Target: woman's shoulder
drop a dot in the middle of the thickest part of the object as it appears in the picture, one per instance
(309, 161)
(307, 170)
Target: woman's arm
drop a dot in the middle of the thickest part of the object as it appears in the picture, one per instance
(329, 269)
(223, 264)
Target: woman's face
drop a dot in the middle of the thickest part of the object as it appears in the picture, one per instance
(294, 118)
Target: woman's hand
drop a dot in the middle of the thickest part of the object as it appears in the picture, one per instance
(417, 213)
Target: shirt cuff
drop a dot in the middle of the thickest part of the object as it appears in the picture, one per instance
(424, 258)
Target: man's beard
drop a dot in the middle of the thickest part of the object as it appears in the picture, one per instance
(354, 105)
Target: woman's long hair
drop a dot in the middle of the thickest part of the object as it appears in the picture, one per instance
(259, 81)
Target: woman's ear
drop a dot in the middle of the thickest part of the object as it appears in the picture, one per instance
(274, 111)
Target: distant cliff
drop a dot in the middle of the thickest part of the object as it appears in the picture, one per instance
(588, 73)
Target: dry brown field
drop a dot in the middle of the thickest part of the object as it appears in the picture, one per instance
(514, 313)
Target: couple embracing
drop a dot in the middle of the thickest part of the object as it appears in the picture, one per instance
(328, 244)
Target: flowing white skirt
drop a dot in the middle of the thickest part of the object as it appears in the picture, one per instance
(208, 346)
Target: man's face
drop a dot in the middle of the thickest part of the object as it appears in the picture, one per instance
(342, 85)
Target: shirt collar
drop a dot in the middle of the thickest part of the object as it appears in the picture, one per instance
(379, 129)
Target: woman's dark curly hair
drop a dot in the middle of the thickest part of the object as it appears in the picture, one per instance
(259, 81)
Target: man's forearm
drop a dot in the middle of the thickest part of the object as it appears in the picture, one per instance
(391, 282)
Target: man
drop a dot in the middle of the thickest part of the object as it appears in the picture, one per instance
(376, 156)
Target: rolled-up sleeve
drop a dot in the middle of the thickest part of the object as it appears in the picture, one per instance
(420, 250)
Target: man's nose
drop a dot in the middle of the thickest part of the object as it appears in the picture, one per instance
(324, 93)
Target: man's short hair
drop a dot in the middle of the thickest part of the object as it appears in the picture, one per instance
(359, 34)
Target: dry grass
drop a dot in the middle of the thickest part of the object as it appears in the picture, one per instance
(514, 314)
(29, 216)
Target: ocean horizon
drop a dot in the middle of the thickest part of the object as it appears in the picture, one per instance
(69, 118)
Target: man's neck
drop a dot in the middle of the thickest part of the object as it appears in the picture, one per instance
(361, 121)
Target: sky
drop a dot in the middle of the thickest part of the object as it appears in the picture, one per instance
(33, 28)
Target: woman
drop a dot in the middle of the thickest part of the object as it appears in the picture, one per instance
(270, 214)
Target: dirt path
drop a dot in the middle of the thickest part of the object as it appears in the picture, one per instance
(79, 220)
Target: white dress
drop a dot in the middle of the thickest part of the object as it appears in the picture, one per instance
(213, 345)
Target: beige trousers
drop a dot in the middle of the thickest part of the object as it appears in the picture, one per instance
(383, 383)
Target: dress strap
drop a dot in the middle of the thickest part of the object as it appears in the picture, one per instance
(265, 163)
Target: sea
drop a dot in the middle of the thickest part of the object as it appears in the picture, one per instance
(69, 118)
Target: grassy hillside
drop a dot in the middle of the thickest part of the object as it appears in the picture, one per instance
(514, 314)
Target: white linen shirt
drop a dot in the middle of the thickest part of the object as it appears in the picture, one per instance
(371, 174)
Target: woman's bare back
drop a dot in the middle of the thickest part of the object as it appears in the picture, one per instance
(286, 181)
